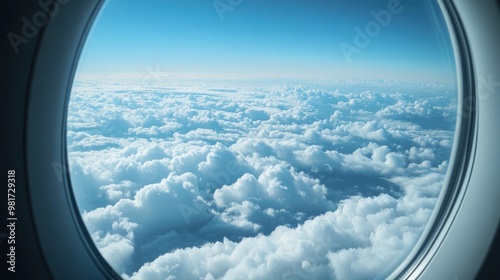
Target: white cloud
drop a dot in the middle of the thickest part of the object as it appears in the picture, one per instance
(209, 181)
(116, 249)
(356, 241)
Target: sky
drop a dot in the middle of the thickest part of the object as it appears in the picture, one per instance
(281, 37)
(261, 139)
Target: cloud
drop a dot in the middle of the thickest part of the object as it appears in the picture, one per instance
(117, 250)
(210, 181)
(357, 240)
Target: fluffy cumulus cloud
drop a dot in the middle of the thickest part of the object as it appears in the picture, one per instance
(209, 181)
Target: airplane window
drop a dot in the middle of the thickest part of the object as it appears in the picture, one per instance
(261, 139)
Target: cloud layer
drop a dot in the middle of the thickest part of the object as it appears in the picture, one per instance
(209, 181)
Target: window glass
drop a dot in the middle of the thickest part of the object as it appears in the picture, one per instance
(235, 139)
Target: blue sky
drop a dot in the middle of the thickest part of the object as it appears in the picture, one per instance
(289, 37)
